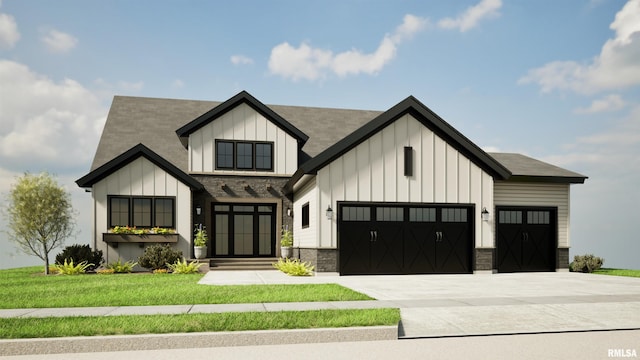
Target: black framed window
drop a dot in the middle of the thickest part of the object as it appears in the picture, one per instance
(141, 212)
(224, 155)
(305, 215)
(118, 211)
(244, 155)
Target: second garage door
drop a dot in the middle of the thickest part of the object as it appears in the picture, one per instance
(382, 238)
(526, 239)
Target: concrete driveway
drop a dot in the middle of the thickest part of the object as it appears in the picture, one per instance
(458, 305)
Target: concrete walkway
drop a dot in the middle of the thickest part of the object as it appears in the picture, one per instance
(461, 305)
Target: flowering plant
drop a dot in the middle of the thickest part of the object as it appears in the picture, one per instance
(142, 231)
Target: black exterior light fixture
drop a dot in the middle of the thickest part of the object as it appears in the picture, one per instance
(329, 213)
(198, 210)
(485, 214)
(289, 212)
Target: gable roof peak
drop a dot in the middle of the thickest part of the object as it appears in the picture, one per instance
(243, 97)
(130, 155)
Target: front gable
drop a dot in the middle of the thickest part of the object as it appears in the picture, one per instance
(242, 126)
(421, 114)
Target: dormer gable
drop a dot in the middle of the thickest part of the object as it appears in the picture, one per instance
(242, 136)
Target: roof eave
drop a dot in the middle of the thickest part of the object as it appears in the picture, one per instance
(423, 114)
(128, 156)
(548, 179)
(242, 97)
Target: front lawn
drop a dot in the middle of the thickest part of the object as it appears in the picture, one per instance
(618, 272)
(29, 288)
(18, 328)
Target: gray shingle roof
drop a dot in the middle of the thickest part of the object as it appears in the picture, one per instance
(524, 168)
(154, 121)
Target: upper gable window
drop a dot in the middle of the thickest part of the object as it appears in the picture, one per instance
(244, 155)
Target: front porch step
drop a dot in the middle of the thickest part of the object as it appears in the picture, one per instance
(242, 263)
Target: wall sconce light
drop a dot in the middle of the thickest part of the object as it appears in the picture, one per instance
(289, 212)
(329, 213)
(485, 214)
(198, 210)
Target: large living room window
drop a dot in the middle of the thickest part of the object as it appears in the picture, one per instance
(244, 155)
(141, 211)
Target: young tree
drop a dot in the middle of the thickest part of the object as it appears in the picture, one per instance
(40, 215)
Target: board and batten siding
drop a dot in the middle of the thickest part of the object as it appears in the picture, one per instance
(140, 177)
(245, 124)
(306, 237)
(374, 171)
(537, 194)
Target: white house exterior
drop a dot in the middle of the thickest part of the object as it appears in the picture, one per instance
(396, 192)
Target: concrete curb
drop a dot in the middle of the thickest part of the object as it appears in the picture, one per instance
(88, 344)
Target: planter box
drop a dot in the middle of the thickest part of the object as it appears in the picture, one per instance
(115, 239)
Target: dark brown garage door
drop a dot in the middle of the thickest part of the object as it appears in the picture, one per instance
(526, 239)
(383, 238)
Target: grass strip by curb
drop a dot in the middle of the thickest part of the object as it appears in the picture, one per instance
(618, 272)
(22, 328)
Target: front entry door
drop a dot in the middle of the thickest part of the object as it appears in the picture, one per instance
(244, 230)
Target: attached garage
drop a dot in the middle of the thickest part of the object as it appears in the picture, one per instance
(526, 239)
(387, 238)
(412, 195)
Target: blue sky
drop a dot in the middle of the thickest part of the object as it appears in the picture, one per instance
(555, 80)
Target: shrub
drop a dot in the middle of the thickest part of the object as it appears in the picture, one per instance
(78, 253)
(586, 263)
(287, 238)
(158, 257)
(160, 271)
(181, 267)
(69, 268)
(120, 268)
(294, 267)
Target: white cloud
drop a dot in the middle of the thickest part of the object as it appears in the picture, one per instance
(241, 60)
(178, 84)
(9, 34)
(306, 62)
(58, 41)
(616, 67)
(472, 16)
(612, 102)
(46, 125)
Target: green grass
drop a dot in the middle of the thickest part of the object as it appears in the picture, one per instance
(618, 272)
(16, 328)
(28, 288)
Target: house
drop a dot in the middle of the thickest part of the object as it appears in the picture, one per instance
(365, 192)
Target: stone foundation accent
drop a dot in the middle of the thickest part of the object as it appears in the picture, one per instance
(483, 259)
(562, 258)
(324, 260)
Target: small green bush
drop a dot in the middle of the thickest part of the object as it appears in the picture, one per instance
(69, 268)
(586, 263)
(182, 267)
(294, 267)
(287, 238)
(158, 257)
(78, 253)
(121, 268)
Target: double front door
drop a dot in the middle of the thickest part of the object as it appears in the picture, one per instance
(244, 230)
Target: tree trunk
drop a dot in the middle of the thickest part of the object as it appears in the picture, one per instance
(46, 264)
